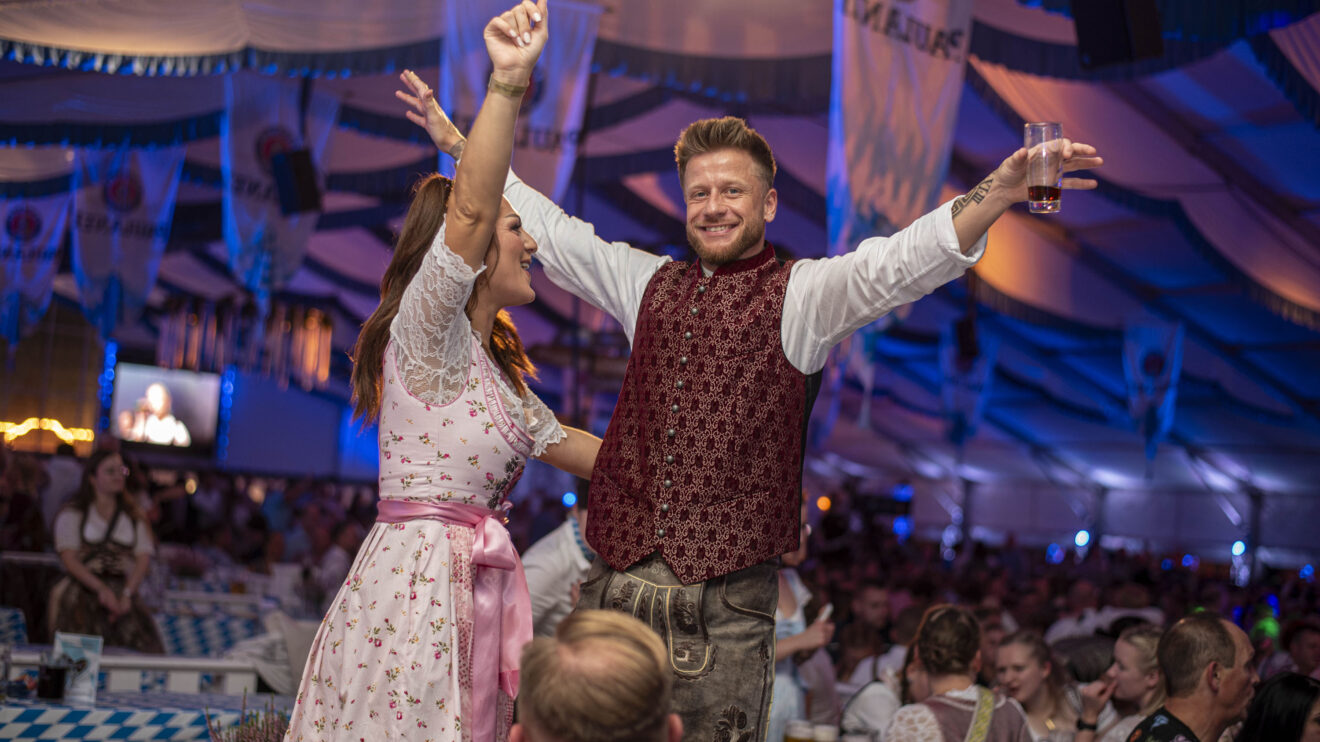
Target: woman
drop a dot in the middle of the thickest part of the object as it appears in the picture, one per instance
(422, 638)
(1286, 709)
(1134, 682)
(1029, 674)
(948, 650)
(106, 546)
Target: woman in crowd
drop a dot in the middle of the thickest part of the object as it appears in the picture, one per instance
(423, 637)
(1029, 674)
(1286, 709)
(948, 650)
(1134, 683)
(106, 545)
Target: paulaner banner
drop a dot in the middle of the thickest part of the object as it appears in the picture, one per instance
(897, 77)
(31, 233)
(123, 206)
(550, 121)
(265, 117)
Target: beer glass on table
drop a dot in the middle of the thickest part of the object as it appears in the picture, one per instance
(1044, 143)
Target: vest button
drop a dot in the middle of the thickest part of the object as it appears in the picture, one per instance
(679, 383)
(695, 311)
(669, 483)
(687, 335)
(673, 408)
(664, 508)
(670, 432)
(660, 532)
(701, 289)
(669, 459)
(682, 360)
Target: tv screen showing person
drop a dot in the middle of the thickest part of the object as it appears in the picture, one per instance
(164, 407)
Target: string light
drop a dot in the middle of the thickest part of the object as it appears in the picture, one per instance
(14, 431)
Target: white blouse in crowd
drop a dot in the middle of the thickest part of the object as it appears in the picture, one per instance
(432, 341)
(66, 531)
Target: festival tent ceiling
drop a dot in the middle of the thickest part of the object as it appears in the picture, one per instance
(1207, 215)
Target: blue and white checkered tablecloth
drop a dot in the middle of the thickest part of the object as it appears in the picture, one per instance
(13, 626)
(204, 636)
(136, 716)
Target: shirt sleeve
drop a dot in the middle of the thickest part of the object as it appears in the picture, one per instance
(66, 530)
(829, 299)
(610, 276)
(145, 544)
(541, 424)
(431, 332)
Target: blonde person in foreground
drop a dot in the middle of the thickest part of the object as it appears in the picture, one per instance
(696, 492)
(422, 641)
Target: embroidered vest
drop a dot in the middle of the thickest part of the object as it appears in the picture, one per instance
(702, 460)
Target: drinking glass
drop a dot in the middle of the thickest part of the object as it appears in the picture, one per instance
(1044, 143)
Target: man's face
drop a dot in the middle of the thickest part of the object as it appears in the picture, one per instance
(1238, 684)
(728, 205)
(1305, 651)
(872, 607)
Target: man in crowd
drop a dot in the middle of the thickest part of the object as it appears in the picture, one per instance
(603, 677)
(555, 566)
(1301, 644)
(1207, 669)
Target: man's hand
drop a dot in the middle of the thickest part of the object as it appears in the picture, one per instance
(1008, 183)
(427, 113)
(514, 40)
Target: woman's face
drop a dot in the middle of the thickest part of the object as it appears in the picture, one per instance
(1019, 674)
(158, 400)
(108, 477)
(509, 260)
(1311, 731)
(1131, 682)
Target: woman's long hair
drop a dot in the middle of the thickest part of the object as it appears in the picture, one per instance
(1281, 709)
(85, 495)
(425, 216)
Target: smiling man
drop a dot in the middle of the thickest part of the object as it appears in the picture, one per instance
(696, 489)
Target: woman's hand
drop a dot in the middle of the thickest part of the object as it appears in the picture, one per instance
(514, 40)
(1094, 697)
(818, 634)
(109, 601)
(427, 113)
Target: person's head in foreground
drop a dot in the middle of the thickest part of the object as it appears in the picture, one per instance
(1286, 709)
(1207, 668)
(603, 677)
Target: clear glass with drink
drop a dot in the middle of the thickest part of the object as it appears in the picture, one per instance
(799, 731)
(1044, 143)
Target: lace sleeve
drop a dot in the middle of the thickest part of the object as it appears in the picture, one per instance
(431, 332)
(914, 723)
(541, 424)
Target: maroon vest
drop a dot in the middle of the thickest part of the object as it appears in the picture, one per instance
(703, 457)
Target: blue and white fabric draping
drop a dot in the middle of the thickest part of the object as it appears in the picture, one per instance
(966, 383)
(123, 206)
(550, 122)
(1152, 361)
(898, 73)
(33, 224)
(263, 118)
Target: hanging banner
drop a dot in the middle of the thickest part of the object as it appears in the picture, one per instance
(273, 128)
(122, 209)
(31, 234)
(967, 365)
(1152, 361)
(897, 77)
(550, 121)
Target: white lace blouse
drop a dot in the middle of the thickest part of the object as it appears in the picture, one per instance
(432, 337)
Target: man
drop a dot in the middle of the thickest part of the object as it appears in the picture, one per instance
(1301, 642)
(603, 677)
(1080, 618)
(1208, 674)
(554, 566)
(64, 472)
(697, 484)
(870, 613)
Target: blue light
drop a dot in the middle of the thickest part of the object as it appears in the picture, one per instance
(902, 492)
(570, 499)
(1190, 561)
(902, 527)
(1308, 572)
(1082, 538)
(1166, 565)
(1054, 554)
(1239, 548)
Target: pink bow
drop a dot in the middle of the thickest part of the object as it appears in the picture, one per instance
(500, 602)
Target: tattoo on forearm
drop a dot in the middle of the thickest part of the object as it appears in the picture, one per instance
(976, 195)
(456, 151)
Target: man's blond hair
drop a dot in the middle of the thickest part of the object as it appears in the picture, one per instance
(730, 132)
(603, 677)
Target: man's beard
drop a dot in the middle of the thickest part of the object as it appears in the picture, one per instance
(753, 233)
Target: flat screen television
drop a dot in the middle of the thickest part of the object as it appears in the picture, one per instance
(165, 409)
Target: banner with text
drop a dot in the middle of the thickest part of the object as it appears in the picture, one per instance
(266, 117)
(122, 210)
(550, 121)
(897, 77)
(33, 231)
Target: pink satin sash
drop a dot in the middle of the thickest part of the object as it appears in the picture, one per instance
(501, 605)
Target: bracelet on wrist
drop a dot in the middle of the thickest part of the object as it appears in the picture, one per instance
(504, 88)
(1087, 726)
